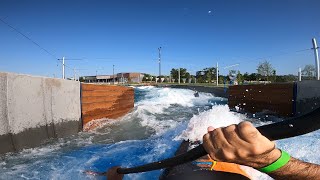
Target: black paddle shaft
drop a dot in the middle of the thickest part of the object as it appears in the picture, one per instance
(285, 129)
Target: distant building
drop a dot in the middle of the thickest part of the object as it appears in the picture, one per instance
(121, 78)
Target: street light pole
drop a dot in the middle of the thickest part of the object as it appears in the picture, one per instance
(113, 74)
(159, 49)
(316, 55)
(179, 75)
(299, 74)
(217, 72)
(63, 71)
(74, 74)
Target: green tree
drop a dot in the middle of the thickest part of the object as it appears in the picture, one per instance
(265, 69)
(246, 76)
(146, 77)
(240, 78)
(309, 71)
(81, 79)
(273, 77)
(183, 74)
(206, 75)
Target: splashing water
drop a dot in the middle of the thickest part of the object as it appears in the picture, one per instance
(161, 118)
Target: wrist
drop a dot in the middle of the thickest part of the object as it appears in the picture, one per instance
(267, 159)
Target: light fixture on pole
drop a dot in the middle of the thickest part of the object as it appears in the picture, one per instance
(159, 49)
(316, 55)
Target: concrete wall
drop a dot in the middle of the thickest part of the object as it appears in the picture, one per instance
(276, 98)
(216, 91)
(308, 96)
(103, 101)
(33, 109)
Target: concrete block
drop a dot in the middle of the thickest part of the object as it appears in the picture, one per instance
(6, 143)
(25, 102)
(34, 109)
(29, 138)
(3, 105)
(66, 108)
(66, 128)
(308, 96)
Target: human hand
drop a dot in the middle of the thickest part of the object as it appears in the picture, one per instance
(112, 174)
(241, 144)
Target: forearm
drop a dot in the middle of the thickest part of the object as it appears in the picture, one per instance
(297, 170)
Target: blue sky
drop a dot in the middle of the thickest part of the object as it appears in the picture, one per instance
(192, 34)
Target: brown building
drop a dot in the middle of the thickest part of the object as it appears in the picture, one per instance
(120, 78)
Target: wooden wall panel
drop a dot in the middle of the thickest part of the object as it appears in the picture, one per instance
(105, 101)
(278, 98)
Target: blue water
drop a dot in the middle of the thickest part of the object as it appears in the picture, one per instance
(145, 135)
(148, 133)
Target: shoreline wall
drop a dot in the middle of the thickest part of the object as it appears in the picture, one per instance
(286, 99)
(308, 96)
(35, 109)
(274, 98)
(104, 101)
(216, 91)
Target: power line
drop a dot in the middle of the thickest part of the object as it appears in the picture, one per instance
(275, 55)
(35, 43)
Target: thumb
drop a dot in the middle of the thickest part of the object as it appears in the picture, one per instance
(210, 128)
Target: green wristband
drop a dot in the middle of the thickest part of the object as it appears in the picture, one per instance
(283, 160)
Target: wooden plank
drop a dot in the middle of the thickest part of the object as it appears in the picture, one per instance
(103, 101)
(91, 87)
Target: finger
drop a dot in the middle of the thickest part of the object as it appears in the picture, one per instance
(248, 132)
(224, 150)
(218, 139)
(232, 136)
(208, 146)
(210, 128)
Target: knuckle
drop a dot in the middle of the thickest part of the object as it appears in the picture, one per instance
(242, 153)
(228, 155)
(216, 131)
(245, 125)
(206, 138)
(230, 132)
(256, 150)
(248, 129)
(230, 129)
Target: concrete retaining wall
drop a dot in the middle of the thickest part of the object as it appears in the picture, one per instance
(33, 109)
(103, 101)
(308, 96)
(276, 98)
(216, 91)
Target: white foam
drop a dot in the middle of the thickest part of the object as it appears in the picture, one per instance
(159, 100)
(218, 116)
(145, 87)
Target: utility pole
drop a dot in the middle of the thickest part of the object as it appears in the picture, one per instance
(74, 74)
(179, 75)
(217, 69)
(299, 74)
(316, 55)
(63, 72)
(113, 74)
(159, 49)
